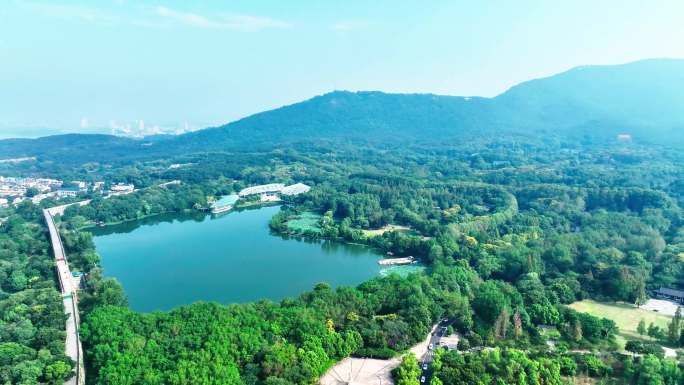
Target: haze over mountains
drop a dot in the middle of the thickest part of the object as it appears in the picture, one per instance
(644, 99)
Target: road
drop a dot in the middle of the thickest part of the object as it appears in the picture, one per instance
(435, 337)
(72, 344)
(69, 289)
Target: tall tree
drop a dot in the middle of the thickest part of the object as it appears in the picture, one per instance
(674, 327)
(640, 292)
(641, 328)
(577, 331)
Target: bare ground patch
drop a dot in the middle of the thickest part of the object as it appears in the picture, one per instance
(369, 371)
(385, 229)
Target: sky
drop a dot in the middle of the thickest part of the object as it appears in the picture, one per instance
(97, 64)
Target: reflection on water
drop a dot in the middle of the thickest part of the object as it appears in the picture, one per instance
(127, 227)
(173, 259)
(328, 246)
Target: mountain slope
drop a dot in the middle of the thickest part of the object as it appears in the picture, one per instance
(645, 99)
(373, 116)
(84, 147)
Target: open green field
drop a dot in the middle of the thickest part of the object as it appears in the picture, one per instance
(305, 222)
(626, 316)
(402, 270)
(387, 228)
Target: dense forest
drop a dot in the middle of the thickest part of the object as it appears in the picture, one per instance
(32, 319)
(512, 226)
(509, 244)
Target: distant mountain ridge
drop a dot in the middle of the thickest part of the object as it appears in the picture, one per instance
(641, 98)
(644, 95)
(368, 115)
(644, 99)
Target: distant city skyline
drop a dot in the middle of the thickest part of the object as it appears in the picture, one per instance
(136, 128)
(98, 66)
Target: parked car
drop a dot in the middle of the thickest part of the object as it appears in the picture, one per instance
(425, 366)
(422, 380)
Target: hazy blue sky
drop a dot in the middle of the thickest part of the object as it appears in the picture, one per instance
(209, 62)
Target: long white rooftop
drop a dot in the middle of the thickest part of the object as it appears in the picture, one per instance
(264, 188)
(294, 189)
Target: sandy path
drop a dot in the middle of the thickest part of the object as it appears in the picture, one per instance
(369, 371)
(661, 306)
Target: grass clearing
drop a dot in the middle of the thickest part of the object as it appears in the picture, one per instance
(384, 229)
(305, 222)
(626, 316)
(402, 270)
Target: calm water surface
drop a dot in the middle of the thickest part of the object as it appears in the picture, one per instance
(167, 261)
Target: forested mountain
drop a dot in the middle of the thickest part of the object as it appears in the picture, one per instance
(373, 116)
(66, 145)
(643, 99)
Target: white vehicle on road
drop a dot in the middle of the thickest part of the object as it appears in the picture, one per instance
(431, 346)
(425, 366)
(422, 380)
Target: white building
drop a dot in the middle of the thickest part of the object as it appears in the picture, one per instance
(12, 191)
(261, 189)
(269, 197)
(275, 188)
(38, 198)
(295, 189)
(121, 188)
(68, 192)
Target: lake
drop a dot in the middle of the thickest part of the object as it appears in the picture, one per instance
(172, 260)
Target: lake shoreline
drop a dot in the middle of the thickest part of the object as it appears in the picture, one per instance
(195, 260)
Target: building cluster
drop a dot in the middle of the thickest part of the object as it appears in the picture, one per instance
(11, 186)
(121, 188)
(669, 294)
(15, 190)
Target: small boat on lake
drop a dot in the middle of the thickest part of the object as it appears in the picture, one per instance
(398, 261)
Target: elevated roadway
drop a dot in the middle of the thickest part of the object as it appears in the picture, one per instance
(73, 348)
(69, 287)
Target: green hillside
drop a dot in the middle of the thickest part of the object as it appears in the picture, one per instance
(596, 103)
